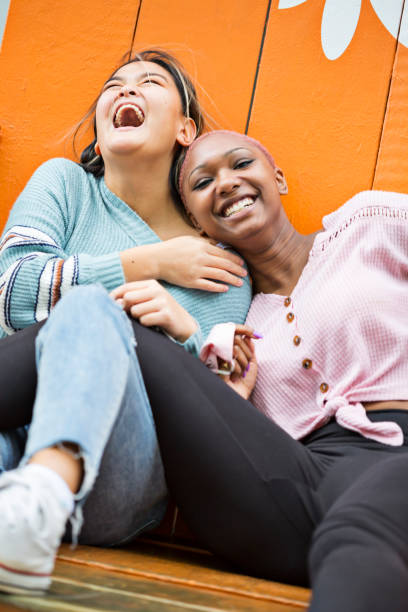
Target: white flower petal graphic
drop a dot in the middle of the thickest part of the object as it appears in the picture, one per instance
(339, 22)
(389, 13)
(289, 3)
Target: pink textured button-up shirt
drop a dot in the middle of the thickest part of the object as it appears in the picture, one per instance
(345, 340)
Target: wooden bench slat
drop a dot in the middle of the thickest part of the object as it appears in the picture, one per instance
(183, 567)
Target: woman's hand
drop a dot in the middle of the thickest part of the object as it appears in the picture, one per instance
(196, 263)
(187, 261)
(243, 377)
(243, 350)
(152, 305)
(244, 385)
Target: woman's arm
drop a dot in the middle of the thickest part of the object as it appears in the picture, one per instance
(186, 261)
(35, 269)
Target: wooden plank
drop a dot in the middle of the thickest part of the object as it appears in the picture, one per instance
(4, 7)
(88, 589)
(53, 76)
(53, 61)
(322, 118)
(218, 41)
(5, 606)
(150, 577)
(392, 165)
(187, 567)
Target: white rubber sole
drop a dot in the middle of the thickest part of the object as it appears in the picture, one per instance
(23, 583)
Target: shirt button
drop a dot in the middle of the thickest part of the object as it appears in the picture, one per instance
(307, 364)
(287, 301)
(324, 387)
(297, 340)
(290, 316)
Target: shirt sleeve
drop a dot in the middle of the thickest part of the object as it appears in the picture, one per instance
(35, 269)
(219, 345)
(193, 344)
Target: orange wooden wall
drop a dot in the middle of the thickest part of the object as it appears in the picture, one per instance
(336, 126)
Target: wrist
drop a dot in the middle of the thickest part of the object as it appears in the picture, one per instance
(152, 260)
(140, 263)
(160, 260)
(186, 332)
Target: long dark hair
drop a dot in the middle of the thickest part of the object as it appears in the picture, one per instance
(93, 163)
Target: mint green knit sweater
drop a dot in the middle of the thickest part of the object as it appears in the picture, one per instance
(67, 228)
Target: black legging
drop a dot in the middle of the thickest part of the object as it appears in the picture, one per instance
(331, 510)
(18, 377)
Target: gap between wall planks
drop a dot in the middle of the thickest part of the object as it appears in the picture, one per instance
(219, 45)
(322, 119)
(256, 69)
(391, 172)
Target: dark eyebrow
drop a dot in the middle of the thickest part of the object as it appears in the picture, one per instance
(139, 78)
(224, 155)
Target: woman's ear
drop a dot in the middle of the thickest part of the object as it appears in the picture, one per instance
(195, 223)
(187, 132)
(281, 181)
(97, 149)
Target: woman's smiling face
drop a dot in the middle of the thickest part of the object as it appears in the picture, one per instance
(231, 188)
(139, 106)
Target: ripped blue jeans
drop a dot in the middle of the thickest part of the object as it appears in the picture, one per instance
(91, 393)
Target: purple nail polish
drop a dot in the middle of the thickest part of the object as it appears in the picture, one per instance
(246, 371)
(255, 335)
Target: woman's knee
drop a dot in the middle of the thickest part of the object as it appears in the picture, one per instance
(359, 531)
(82, 301)
(371, 514)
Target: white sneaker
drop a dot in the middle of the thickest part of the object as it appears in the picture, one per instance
(32, 523)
